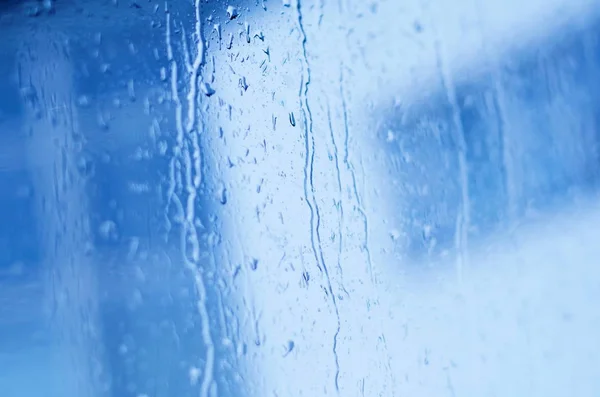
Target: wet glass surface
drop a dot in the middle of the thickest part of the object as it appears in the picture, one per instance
(286, 198)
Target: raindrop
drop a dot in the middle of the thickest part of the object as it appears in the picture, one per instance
(108, 230)
(162, 147)
(292, 119)
(131, 90)
(289, 347)
(287, 3)
(194, 375)
(391, 136)
(418, 27)
(48, 5)
(232, 12)
(217, 28)
(34, 11)
(243, 83)
(207, 89)
(102, 122)
(306, 277)
(254, 264)
(242, 349)
(83, 101)
(247, 31)
(85, 166)
(223, 196)
(132, 48)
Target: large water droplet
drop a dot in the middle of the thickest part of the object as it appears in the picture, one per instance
(254, 264)
(243, 83)
(232, 12)
(131, 90)
(247, 31)
(207, 89)
(108, 230)
(289, 347)
(223, 196)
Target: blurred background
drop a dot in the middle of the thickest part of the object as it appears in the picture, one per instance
(298, 197)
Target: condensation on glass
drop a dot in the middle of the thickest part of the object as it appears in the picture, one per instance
(286, 198)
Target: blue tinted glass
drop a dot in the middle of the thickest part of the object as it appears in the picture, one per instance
(299, 198)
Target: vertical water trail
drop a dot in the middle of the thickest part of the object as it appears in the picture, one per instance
(311, 201)
(339, 204)
(463, 218)
(188, 151)
(350, 168)
(500, 101)
(178, 108)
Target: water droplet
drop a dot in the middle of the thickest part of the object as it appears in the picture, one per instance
(134, 245)
(247, 31)
(34, 11)
(162, 147)
(427, 229)
(217, 28)
(289, 347)
(163, 74)
(243, 83)
(83, 101)
(108, 230)
(394, 234)
(254, 264)
(223, 196)
(306, 277)
(132, 48)
(207, 89)
(292, 119)
(194, 375)
(102, 121)
(48, 5)
(232, 12)
(391, 136)
(287, 3)
(131, 90)
(418, 27)
(242, 349)
(85, 166)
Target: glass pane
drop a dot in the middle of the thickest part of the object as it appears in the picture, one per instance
(287, 198)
